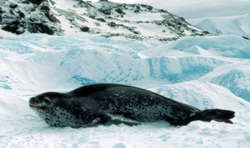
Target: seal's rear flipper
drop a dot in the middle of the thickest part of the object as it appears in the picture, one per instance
(215, 114)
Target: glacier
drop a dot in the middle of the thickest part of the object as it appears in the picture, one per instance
(206, 72)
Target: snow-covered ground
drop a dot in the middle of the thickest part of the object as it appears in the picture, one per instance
(206, 72)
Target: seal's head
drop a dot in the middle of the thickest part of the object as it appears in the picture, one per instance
(44, 102)
(54, 108)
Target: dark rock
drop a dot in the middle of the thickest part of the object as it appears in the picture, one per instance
(119, 10)
(101, 19)
(136, 32)
(170, 24)
(32, 20)
(14, 26)
(12, 12)
(205, 32)
(168, 39)
(138, 9)
(150, 8)
(246, 38)
(182, 19)
(105, 11)
(163, 11)
(21, 14)
(38, 2)
(42, 19)
(13, 6)
(41, 28)
(46, 10)
(53, 19)
(26, 1)
(92, 16)
(112, 24)
(1, 12)
(84, 28)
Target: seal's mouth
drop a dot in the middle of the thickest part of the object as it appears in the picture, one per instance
(38, 107)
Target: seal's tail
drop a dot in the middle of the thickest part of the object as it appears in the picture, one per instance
(215, 114)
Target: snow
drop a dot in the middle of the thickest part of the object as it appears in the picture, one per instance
(4, 34)
(206, 72)
(147, 16)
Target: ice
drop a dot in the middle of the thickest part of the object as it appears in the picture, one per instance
(206, 72)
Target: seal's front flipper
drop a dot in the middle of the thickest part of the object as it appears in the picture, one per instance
(117, 119)
(117, 122)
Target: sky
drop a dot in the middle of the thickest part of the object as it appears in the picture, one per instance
(198, 8)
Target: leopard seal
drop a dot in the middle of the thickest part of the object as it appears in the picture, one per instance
(105, 104)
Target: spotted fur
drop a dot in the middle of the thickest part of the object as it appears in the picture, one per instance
(98, 104)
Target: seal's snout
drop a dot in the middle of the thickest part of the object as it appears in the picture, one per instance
(36, 101)
(32, 101)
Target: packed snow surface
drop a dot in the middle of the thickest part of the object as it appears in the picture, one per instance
(206, 72)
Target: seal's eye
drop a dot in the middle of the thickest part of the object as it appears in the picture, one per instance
(47, 100)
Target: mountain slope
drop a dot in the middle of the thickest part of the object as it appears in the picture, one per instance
(237, 25)
(103, 18)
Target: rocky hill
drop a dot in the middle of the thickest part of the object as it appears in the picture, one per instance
(103, 18)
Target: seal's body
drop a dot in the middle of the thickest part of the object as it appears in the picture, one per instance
(114, 104)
